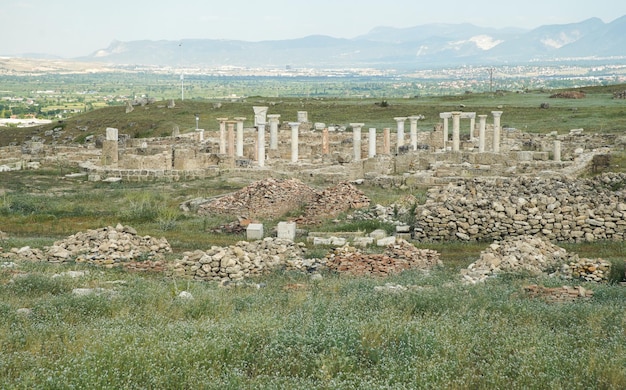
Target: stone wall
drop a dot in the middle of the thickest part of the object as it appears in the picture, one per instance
(560, 209)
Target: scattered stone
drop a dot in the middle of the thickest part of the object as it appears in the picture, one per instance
(82, 292)
(185, 295)
(24, 311)
(558, 294)
(71, 274)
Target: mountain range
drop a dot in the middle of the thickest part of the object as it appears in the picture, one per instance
(385, 47)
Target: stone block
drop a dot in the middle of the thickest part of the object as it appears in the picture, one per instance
(254, 231)
(403, 229)
(386, 241)
(363, 241)
(286, 230)
(378, 234)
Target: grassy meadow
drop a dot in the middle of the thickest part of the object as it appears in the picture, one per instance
(286, 330)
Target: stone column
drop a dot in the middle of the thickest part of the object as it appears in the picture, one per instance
(110, 148)
(273, 131)
(260, 114)
(400, 121)
(200, 134)
(456, 128)
(445, 116)
(294, 140)
(496, 130)
(371, 150)
(557, 151)
(413, 130)
(325, 142)
(222, 122)
(356, 139)
(261, 144)
(239, 148)
(386, 140)
(231, 138)
(303, 116)
(482, 125)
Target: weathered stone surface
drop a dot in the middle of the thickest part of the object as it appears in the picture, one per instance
(558, 294)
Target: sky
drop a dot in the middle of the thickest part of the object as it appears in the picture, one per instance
(72, 28)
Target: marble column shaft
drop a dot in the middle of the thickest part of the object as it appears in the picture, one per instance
(456, 129)
(400, 135)
(386, 140)
(496, 130)
(239, 148)
(295, 126)
(356, 139)
(482, 126)
(371, 150)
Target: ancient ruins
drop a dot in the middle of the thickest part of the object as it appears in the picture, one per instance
(486, 183)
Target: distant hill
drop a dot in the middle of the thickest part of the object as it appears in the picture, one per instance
(384, 47)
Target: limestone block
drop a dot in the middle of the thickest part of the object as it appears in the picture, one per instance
(386, 241)
(378, 234)
(254, 231)
(286, 230)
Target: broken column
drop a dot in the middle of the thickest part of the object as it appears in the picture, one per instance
(222, 122)
(456, 131)
(273, 118)
(109, 147)
(325, 142)
(303, 116)
(496, 130)
(261, 144)
(400, 121)
(371, 150)
(386, 140)
(356, 139)
(557, 151)
(294, 140)
(445, 116)
(231, 137)
(482, 125)
(239, 148)
(413, 129)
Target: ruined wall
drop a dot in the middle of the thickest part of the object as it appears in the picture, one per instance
(557, 208)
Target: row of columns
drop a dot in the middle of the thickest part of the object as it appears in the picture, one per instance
(413, 130)
(456, 128)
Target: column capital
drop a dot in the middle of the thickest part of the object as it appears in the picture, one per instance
(294, 124)
(496, 113)
(415, 118)
(468, 115)
(273, 116)
(221, 119)
(400, 118)
(239, 118)
(456, 113)
(483, 116)
(445, 115)
(357, 124)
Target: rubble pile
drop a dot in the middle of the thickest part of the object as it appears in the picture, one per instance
(569, 95)
(333, 201)
(560, 209)
(619, 95)
(589, 270)
(396, 258)
(558, 294)
(238, 261)
(275, 197)
(264, 198)
(535, 256)
(109, 247)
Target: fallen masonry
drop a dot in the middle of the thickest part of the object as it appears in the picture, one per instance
(275, 197)
(239, 261)
(535, 256)
(396, 258)
(558, 294)
(109, 247)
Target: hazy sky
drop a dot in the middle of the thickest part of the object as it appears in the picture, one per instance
(71, 28)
